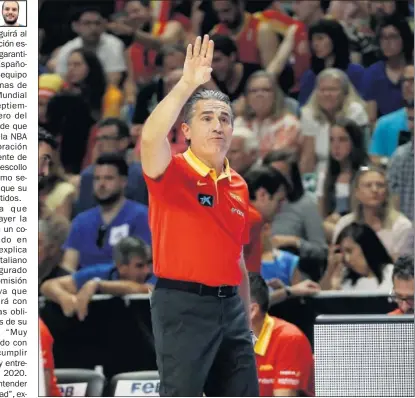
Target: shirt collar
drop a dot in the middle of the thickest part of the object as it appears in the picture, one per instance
(205, 170)
(265, 336)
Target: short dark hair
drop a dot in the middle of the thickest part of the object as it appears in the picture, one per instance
(77, 14)
(259, 291)
(202, 95)
(113, 159)
(10, 1)
(47, 138)
(224, 44)
(404, 268)
(168, 50)
(288, 156)
(264, 177)
(122, 127)
(402, 26)
(129, 247)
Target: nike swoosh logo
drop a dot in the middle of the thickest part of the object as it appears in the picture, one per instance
(199, 184)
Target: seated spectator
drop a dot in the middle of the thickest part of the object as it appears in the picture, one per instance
(298, 226)
(284, 358)
(243, 153)
(113, 136)
(57, 193)
(127, 275)
(334, 96)
(267, 116)
(385, 138)
(46, 344)
(403, 285)
(347, 155)
(358, 261)
(47, 145)
(295, 32)
(382, 89)
(255, 40)
(96, 231)
(267, 189)
(401, 173)
(171, 58)
(329, 49)
(149, 37)
(176, 138)
(229, 75)
(89, 25)
(372, 204)
(86, 77)
(51, 236)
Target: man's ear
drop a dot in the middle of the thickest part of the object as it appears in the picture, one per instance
(186, 131)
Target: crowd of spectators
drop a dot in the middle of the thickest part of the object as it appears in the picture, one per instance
(323, 99)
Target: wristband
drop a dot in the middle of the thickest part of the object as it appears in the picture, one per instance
(288, 291)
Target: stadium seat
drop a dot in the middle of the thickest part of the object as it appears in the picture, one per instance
(139, 384)
(80, 382)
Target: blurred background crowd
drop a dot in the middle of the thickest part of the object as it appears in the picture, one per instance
(323, 97)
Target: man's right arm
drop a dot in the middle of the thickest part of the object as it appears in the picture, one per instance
(155, 148)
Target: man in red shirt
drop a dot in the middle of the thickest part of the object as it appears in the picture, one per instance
(198, 218)
(403, 285)
(256, 42)
(285, 363)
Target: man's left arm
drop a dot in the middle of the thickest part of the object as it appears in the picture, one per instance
(267, 44)
(172, 35)
(244, 291)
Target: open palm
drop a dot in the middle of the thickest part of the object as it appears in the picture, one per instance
(198, 64)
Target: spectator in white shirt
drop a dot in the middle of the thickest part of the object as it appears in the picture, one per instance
(90, 25)
(358, 262)
(372, 205)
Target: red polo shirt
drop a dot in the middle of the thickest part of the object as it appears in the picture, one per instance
(199, 222)
(284, 359)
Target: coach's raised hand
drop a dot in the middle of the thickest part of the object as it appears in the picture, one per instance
(198, 64)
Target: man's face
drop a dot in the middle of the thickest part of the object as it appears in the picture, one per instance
(228, 13)
(10, 12)
(137, 270)
(108, 184)
(222, 65)
(381, 8)
(45, 160)
(172, 62)
(269, 205)
(304, 9)
(108, 140)
(408, 83)
(210, 128)
(137, 14)
(404, 293)
(90, 27)
(240, 160)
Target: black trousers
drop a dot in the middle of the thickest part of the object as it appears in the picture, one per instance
(203, 345)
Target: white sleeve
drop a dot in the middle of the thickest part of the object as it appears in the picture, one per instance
(358, 113)
(62, 61)
(115, 61)
(309, 126)
(320, 184)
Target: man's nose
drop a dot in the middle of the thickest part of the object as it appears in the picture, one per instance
(44, 170)
(217, 125)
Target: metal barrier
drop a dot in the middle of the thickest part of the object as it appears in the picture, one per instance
(117, 332)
